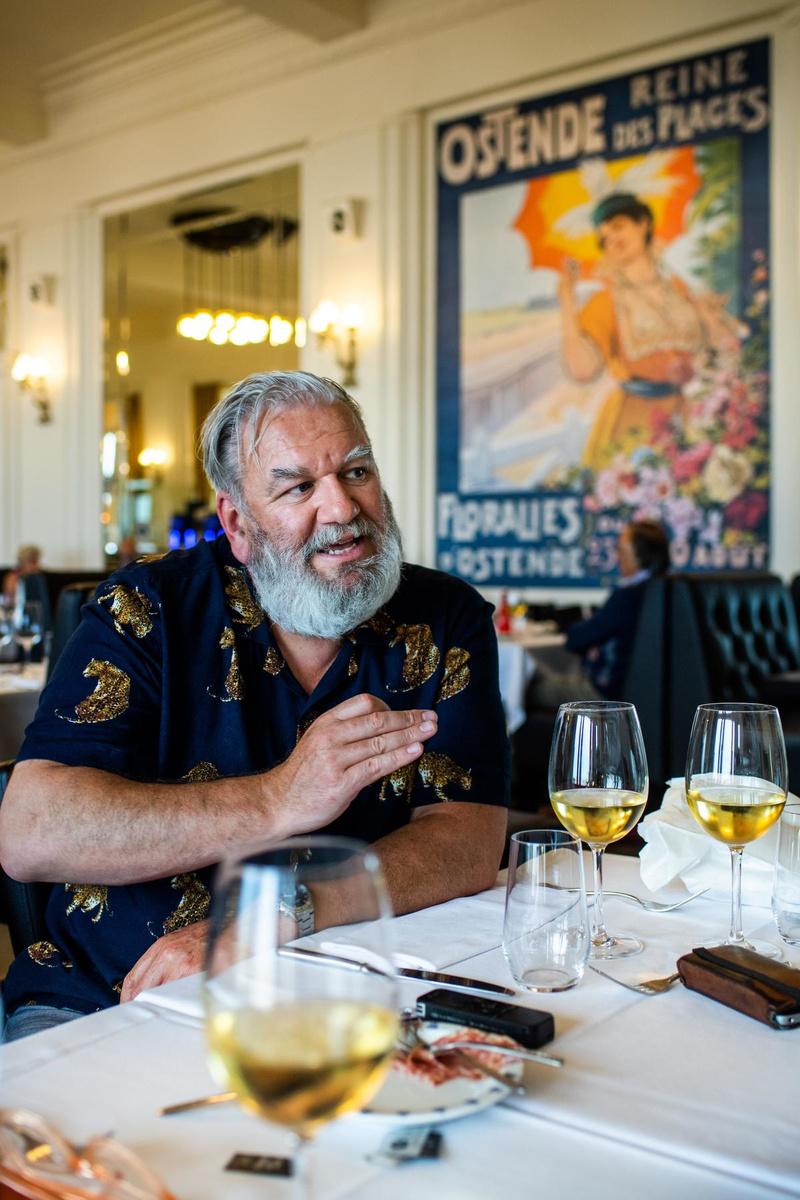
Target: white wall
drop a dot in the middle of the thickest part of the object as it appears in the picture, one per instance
(355, 115)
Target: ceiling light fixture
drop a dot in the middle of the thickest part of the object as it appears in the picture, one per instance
(217, 247)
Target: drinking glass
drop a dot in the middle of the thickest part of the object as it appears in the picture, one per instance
(736, 780)
(546, 929)
(8, 645)
(786, 885)
(28, 628)
(300, 1043)
(598, 788)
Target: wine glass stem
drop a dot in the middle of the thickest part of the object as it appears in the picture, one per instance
(736, 936)
(599, 932)
(303, 1169)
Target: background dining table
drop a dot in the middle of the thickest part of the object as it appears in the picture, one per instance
(19, 696)
(660, 1096)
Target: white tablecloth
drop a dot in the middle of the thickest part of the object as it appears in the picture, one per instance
(661, 1096)
(19, 696)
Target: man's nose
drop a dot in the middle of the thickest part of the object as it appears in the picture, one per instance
(336, 506)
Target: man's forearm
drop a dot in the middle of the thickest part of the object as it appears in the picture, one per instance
(61, 823)
(440, 855)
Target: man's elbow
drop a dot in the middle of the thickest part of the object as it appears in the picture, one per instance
(17, 860)
(20, 847)
(22, 839)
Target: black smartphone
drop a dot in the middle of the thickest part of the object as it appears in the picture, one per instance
(529, 1026)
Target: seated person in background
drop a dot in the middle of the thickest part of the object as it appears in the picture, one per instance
(605, 639)
(126, 551)
(292, 676)
(29, 560)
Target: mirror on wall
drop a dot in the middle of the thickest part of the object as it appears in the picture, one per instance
(199, 291)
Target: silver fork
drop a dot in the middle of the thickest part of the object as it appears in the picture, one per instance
(659, 906)
(648, 987)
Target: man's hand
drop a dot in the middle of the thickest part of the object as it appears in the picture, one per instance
(171, 957)
(347, 748)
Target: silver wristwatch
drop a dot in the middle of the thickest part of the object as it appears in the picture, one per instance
(301, 909)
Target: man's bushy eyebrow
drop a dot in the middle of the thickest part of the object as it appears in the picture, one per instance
(282, 474)
(362, 451)
(278, 473)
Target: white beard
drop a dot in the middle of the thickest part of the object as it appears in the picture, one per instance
(301, 600)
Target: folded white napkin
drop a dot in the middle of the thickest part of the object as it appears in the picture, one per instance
(431, 938)
(677, 848)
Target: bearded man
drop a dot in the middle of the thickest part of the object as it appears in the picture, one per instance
(293, 676)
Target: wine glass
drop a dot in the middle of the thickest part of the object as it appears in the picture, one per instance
(736, 781)
(28, 628)
(299, 1042)
(598, 788)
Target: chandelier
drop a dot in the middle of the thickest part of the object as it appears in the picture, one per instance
(225, 259)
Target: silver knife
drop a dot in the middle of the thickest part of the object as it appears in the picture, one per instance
(457, 982)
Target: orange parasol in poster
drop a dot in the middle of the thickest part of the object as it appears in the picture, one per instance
(556, 215)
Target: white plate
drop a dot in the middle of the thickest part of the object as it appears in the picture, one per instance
(408, 1101)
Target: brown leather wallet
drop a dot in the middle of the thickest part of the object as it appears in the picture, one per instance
(760, 987)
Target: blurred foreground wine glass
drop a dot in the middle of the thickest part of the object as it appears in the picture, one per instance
(598, 788)
(736, 781)
(300, 1043)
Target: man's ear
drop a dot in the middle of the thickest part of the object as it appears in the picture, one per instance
(233, 521)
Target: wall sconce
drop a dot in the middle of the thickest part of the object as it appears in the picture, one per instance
(339, 329)
(153, 459)
(32, 375)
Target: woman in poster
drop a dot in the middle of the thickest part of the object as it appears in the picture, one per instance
(645, 326)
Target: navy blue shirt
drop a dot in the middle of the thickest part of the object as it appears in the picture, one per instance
(174, 675)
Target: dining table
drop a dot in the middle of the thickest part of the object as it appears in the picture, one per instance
(526, 646)
(19, 696)
(663, 1096)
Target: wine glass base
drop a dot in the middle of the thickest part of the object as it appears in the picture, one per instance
(758, 945)
(617, 947)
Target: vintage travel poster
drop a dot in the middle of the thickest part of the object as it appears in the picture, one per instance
(603, 324)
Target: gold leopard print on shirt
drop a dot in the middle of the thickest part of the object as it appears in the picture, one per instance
(237, 593)
(89, 898)
(422, 654)
(194, 903)
(456, 674)
(108, 700)
(129, 607)
(234, 685)
(436, 771)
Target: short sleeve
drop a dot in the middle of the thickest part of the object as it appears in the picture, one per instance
(468, 759)
(101, 707)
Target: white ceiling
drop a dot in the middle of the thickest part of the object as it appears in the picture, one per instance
(41, 39)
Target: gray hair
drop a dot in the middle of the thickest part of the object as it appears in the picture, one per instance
(230, 431)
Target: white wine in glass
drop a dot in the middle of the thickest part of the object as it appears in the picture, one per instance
(736, 781)
(598, 816)
(299, 1042)
(598, 789)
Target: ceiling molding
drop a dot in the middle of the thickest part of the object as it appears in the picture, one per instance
(321, 20)
(202, 55)
(22, 111)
